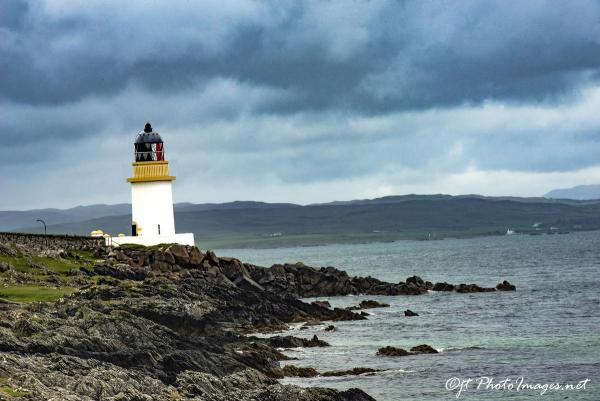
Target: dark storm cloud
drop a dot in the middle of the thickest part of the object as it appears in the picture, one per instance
(369, 56)
(293, 93)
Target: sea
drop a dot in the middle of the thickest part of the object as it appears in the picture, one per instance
(541, 342)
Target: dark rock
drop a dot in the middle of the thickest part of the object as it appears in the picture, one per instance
(295, 342)
(196, 257)
(122, 271)
(331, 327)
(353, 394)
(443, 287)
(350, 372)
(368, 304)
(408, 312)
(423, 349)
(5, 266)
(392, 351)
(212, 258)
(416, 281)
(322, 304)
(180, 254)
(315, 342)
(506, 286)
(469, 288)
(296, 371)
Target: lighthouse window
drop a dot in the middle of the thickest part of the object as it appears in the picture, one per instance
(159, 229)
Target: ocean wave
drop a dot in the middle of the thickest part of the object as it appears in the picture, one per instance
(455, 349)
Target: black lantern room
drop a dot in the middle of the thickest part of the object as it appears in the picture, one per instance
(148, 145)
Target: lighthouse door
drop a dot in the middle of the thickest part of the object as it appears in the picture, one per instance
(134, 229)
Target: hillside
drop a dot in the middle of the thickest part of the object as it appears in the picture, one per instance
(580, 192)
(254, 224)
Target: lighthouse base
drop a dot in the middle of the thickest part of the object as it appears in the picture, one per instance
(149, 240)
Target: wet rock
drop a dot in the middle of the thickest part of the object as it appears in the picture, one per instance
(316, 342)
(295, 342)
(469, 288)
(351, 372)
(392, 351)
(368, 304)
(505, 286)
(443, 287)
(296, 371)
(423, 349)
(322, 304)
(408, 312)
(331, 327)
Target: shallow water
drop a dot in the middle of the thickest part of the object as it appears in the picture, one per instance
(548, 331)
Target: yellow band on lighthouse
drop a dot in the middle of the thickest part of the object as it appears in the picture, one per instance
(151, 171)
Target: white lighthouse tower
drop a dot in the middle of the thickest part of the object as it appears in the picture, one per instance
(152, 218)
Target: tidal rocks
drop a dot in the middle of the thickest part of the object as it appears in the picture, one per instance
(350, 372)
(419, 349)
(295, 342)
(443, 287)
(368, 304)
(408, 312)
(322, 304)
(296, 371)
(392, 351)
(469, 288)
(461, 288)
(423, 349)
(299, 280)
(331, 327)
(505, 286)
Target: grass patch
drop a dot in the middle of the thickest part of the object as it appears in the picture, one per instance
(33, 293)
(59, 266)
(19, 263)
(5, 388)
(132, 246)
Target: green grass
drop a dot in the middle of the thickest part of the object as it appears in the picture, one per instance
(5, 388)
(33, 293)
(19, 263)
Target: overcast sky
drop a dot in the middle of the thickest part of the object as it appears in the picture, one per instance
(298, 101)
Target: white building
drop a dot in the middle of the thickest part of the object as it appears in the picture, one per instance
(152, 217)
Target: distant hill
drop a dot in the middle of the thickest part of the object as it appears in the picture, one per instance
(257, 224)
(11, 220)
(580, 192)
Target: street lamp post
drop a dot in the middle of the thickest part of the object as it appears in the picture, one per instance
(44, 223)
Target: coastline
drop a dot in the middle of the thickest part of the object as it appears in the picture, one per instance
(171, 321)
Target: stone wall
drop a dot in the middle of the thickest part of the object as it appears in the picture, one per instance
(55, 242)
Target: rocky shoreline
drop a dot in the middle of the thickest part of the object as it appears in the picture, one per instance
(168, 323)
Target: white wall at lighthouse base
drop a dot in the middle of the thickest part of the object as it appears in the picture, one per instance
(151, 207)
(149, 240)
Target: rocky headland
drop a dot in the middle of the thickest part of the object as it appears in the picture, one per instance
(167, 323)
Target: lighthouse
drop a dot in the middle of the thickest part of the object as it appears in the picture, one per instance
(152, 217)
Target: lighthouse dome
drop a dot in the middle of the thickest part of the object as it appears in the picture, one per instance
(148, 145)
